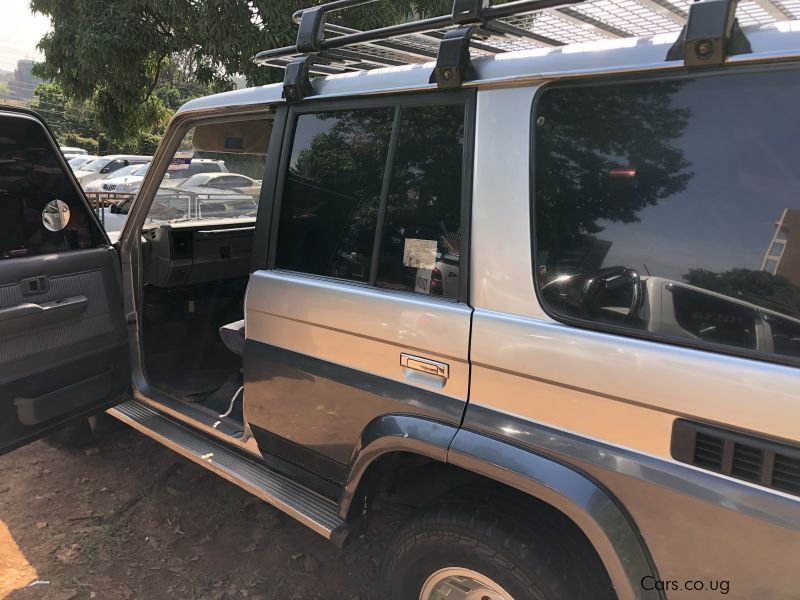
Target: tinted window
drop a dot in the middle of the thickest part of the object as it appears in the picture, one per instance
(673, 207)
(332, 191)
(420, 243)
(340, 205)
(30, 178)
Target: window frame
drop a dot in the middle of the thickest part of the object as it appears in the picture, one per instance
(467, 98)
(99, 235)
(632, 79)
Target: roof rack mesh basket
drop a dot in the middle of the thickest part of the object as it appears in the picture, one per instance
(497, 28)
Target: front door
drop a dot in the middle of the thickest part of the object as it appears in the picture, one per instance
(63, 343)
(362, 311)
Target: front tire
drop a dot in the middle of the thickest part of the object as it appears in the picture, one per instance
(474, 546)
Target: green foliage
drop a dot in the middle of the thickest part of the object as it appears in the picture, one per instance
(77, 140)
(580, 136)
(5, 91)
(118, 54)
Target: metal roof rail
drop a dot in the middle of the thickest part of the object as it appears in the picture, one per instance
(711, 32)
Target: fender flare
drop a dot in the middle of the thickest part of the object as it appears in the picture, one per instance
(595, 511)
(394, 433)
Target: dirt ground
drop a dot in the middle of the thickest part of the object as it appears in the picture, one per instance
(129, 519)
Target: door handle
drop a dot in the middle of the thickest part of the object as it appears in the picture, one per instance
(425, 365)
(22, 317)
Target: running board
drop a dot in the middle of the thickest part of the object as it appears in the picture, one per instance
(310, 508)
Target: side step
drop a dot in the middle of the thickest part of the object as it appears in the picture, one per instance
(313, 510)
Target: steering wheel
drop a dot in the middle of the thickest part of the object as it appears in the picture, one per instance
(609, 280)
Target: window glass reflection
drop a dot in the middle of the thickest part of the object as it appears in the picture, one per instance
(332, 191)
(673, 207)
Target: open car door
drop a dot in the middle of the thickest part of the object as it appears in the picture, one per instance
(63, 342)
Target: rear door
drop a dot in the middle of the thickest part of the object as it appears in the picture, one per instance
(357, 314)
(63, 341)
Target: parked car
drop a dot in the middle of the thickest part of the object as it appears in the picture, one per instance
(196, 166)
(77, 162)
(106, 165)
(221, 181)
(121, 177)
(70, 152)
(603, 400)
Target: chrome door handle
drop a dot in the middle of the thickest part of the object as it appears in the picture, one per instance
(426, 365)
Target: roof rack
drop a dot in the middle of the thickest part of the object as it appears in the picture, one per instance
(476, 28)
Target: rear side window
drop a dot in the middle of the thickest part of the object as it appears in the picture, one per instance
(672, 209)
(41, 212)
(375, 195)
(332, 192)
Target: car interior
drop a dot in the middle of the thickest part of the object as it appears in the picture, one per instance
(196, 249)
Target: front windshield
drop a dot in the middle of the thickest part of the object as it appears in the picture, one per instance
(141, 170)
(96, 165)
(185, 197)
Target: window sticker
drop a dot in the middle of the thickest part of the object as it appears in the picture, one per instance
(420, 254)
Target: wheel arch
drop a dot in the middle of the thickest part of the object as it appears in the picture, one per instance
(590, 506)
(605, 523)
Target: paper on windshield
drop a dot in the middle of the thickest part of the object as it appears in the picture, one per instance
(420, 254)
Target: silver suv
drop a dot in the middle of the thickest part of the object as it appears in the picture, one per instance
(549, 297)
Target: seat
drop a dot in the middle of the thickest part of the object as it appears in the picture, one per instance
(232, 336)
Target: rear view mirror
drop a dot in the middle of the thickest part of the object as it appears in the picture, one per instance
(237, 137)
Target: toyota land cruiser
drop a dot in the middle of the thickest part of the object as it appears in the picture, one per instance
(552, 281)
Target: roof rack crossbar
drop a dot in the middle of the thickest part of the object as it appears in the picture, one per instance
(423, 26)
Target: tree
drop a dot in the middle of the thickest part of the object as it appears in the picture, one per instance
(5, 91)
(115, 53)
(582, 134)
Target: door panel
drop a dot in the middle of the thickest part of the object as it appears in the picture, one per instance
(63, 342)
(323, 358)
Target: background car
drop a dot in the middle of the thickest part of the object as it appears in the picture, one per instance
(105, 165)
(77, 162)
(197, 166)
(118, 177)
(71, 152)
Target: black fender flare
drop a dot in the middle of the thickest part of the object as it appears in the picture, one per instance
(595, 511)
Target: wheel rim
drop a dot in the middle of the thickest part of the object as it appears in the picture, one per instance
(457, 583)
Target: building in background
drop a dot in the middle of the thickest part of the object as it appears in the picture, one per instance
(783, 255)
(25, 82)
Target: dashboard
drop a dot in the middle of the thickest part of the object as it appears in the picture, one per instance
(192, 252)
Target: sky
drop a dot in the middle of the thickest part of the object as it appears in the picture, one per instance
(20, 31)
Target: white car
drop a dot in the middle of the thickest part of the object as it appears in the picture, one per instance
(220, 181)
(77, 162)
(125, 180)
(103, 166)
(71, 152)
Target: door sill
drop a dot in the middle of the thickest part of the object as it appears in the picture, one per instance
(199, 417)
(310, 508)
